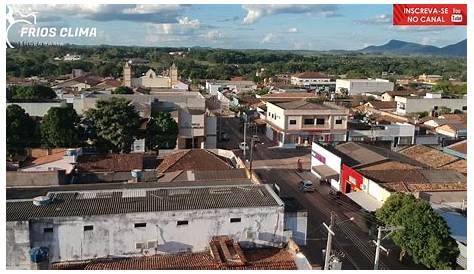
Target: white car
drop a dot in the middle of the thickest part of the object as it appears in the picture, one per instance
(243, 146)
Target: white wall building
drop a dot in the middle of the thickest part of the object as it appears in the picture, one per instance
(359, 86)
(325, 165)
(430, 102)
(310, 78)
(398, 134)
(39, 109)
(76, 226)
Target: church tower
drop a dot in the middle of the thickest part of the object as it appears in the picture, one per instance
(173, 75)
(127, 75)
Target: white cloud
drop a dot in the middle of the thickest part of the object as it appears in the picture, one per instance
(382, 19)
(257, 12)
(106, 12)
(214, 35)
(292, 30)
(269, 38)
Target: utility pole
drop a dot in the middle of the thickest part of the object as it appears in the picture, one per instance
(252, 141)
(245, 137)
(329, 242)
(381, 229)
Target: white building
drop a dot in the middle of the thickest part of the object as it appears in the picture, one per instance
(310, 78)
(325, 164)
(359, 86)
(40, 109)
(430, 102)
(302, 122)
(71, 57)
(75, 226)
(397, 134)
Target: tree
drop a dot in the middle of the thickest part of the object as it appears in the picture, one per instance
(115, 123)
(35, 92)
(60, 128)
(21, 131)
(425, 235)
(161, 132)
(122, 90)
(443, 110)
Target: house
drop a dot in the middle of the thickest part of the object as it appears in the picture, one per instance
(430, 79)
(57, 159)
(395, 134)
(79, 83)
(287, 96)
(453, 130)
(108, 85)
(377, 95)
(359, 86)
(300, 122)
(389, 106)
(326, 164)
(71, 57)
(197, 126)
(311, 78)
(239, 86)
(458, 149)
(122, 222)
(430, 102)
(390, 95)
(223, 253)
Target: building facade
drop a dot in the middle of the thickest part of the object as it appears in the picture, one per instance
(359, 86)
(430, 102)
(301, 122)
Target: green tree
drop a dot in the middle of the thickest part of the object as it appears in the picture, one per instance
(35, 92)
(115, 123)
(122, 90)
(60, 128)
(161, 132)
(21, 131)
(425, 235)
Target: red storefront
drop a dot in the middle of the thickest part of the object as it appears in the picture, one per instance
(351, 180)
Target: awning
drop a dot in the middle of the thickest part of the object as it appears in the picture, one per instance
(364, 200)
(325, 172)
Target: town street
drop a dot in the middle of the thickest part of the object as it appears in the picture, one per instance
(278, 166)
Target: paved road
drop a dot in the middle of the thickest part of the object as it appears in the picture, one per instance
(275, 165)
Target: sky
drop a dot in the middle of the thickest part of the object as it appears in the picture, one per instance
(282, 27)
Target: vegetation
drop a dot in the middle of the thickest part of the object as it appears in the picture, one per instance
(448, 88)
(35, 92)
(60, 128)
(425, 235)
(114, 124)
(203, 63)
(443, 110)
(162, 132)
(21, 131)
(122, 90)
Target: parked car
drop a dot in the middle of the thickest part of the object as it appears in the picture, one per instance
(306, 186)
(243, 146)
(256, 138)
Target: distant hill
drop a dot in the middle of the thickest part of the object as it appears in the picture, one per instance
(397, 47)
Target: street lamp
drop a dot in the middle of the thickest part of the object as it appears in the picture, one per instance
(330, 234)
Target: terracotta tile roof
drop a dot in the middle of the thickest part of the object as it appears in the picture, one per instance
(459, 166)
(110, 162)
(289, 95)
(460, 147)
(427, 155)
(311, 75)
(257, 259)
(303, 104)
(109, 83)
(55, 156)
(383, 104)
(404, 92)
(193, 159)
(415, 180)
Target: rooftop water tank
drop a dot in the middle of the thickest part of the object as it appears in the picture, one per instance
(41, 200)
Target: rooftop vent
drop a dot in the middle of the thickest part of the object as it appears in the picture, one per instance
(41, 200)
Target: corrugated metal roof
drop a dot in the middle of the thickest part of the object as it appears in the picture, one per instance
(158, 199)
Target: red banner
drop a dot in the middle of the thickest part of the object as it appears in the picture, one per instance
(430, 14)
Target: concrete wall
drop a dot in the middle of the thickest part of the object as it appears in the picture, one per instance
(115, 235)
(387, 134)
(39, 108)
(358, 86)
(411, 105)
(376, 191)
(211, 131)
(18, 245)
(39, 178)
(297, 222)
(276, 115)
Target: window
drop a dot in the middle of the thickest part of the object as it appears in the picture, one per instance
(182, 223)
(139, 245)
(339, 122)
(308, 121)
(47, 230)
(292, 122)
(435, 107)
(235, 220)
(140, 225)
(464, 108)
(320, 121)
(88, 227)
